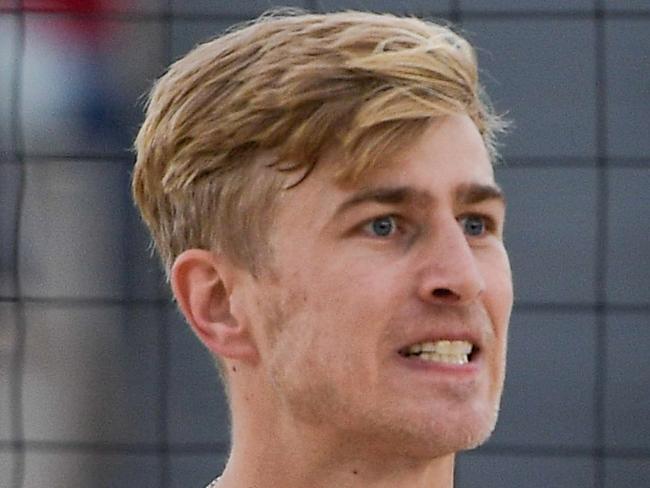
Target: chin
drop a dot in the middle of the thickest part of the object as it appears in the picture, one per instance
(470, 431)
(444, 434)
(425, 434)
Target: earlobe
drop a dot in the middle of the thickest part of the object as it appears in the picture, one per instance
(203, 285)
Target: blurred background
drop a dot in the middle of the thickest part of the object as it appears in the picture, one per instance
(101, 383)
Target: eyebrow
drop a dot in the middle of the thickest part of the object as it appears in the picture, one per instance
(466, 194)
(473, 193)
(385, 195)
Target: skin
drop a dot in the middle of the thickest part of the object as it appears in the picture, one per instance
(320, 394)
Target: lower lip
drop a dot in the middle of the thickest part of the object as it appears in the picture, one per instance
(434, 367)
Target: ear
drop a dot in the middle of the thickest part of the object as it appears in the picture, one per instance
(203, 283)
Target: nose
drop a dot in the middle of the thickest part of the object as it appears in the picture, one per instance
(451, 273)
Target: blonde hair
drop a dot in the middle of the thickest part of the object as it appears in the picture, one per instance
(277, 94)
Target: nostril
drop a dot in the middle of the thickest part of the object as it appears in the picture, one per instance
(445, 293)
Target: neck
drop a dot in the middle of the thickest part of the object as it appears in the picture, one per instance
(278, 470)
(271, 451)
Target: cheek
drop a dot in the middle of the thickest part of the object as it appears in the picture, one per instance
(498, 301)
(342, 304)
(499, 298)
(499, 291)
(341, 324)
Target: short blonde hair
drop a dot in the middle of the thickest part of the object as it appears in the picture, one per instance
(283, 90)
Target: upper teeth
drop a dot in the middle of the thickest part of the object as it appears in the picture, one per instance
(442, 347)
(454, 352)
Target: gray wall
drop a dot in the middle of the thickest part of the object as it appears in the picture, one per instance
(100, 381)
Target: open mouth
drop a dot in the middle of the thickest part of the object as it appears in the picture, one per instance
(442, 351)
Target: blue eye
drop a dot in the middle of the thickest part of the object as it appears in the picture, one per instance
(473, 225)
(382, 226)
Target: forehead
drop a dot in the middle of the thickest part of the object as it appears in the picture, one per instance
(448, 153)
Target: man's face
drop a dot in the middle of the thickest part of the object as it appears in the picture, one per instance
(366, 276)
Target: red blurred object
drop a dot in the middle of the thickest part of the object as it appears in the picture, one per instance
(72, 6)
(72, 28)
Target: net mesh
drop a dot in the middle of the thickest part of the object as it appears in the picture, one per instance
(99, 380)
